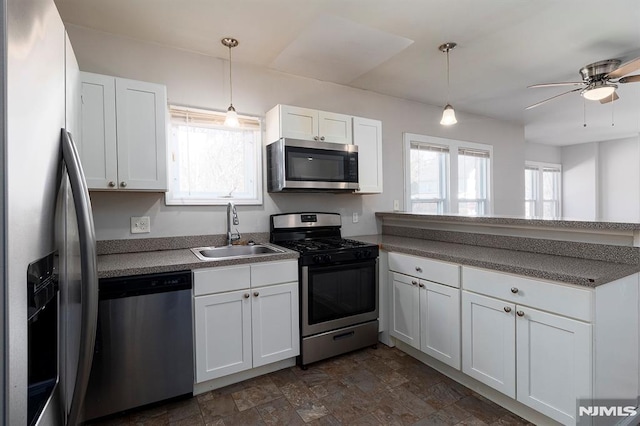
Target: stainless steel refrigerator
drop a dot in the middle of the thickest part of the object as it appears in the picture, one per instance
(49, 283)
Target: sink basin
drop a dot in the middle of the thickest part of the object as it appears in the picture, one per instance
(226, 252)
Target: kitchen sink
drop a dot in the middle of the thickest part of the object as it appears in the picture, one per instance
(226, 252)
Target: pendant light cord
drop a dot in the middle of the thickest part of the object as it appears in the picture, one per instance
(230, 82)
(448, 79)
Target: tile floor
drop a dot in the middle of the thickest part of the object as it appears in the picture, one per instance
(381, 386)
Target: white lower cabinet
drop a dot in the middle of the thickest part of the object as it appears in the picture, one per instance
(249, 327)
(545, 344)
(489, 342)
(222, 334)
(553, 355)
(274, 319)
(426, 314)
(542, 359)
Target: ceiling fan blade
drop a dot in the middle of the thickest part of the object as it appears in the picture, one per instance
(625, 68)
(630, 79)
(568, 83)
(556, 96)
(611, 98)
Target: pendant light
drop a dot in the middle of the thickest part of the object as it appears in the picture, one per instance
(231, 120)
(448, 115)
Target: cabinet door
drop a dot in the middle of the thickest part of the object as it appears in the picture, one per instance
(298, 123)
(276, 333)
(335, 128)
(97, 142)
(367, 135)
(405, 315)
(489, 342)
(222, 334)
(554, 363)
(440, 322)
(141, 133)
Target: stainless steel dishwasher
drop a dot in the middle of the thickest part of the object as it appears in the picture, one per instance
(144, 343)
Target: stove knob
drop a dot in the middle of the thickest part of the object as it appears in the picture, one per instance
(317, 258)
(367, 253)
(327, 258)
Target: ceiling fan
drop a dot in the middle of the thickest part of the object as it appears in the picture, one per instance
(598, 81)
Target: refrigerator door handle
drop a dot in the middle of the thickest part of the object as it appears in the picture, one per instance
(86, 233)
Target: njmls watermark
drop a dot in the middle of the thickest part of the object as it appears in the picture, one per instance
(606, 412)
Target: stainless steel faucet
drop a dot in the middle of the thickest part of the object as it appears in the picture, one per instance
(232, 236)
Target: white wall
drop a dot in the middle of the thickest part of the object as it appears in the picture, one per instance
(579, 185)
(201, 81)
(619, 179)
(542, 153)
(601, 180)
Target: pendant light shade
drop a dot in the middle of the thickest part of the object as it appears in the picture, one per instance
(449, 114)
(231, 120)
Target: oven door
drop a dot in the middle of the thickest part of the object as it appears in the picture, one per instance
(340, 295)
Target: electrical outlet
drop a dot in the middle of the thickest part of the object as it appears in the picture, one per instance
(140, 225)
(396, 205)
(356, 218)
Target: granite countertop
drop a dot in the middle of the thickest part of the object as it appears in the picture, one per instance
(564, 223)
(571, 270)
(152, 262)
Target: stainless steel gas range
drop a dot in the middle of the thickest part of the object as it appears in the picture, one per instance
(338, 284)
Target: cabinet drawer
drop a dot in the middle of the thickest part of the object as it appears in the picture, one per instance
(559, 298)
(269, 273)
(432, 270)
(217, 280)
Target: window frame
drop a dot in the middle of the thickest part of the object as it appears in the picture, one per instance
(450, 205)
(172, 166)
(539, 199)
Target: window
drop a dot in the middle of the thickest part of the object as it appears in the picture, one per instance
(434, 165)
(542, 190)
(473, 166)
(210, 164)
(429, 165)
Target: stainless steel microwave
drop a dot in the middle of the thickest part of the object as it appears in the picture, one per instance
(295, 165)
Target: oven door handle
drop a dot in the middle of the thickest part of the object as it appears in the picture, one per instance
(344, 335)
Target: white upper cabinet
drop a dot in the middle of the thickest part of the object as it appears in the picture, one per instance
(123, 141)
(367, 135)
(285, 121)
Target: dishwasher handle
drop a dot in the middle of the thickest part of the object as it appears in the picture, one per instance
(140, 285)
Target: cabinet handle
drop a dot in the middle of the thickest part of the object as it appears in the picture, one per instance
(321, 138)
(414, 282)
(315, 138)
(247, 295)
(123, 184)
(256, 294)
(514, 290)
(520, 313)
(418, 269)
(507, 309)
(112, 184)
(421, 285)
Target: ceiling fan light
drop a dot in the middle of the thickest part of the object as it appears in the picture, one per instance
(599, 92)
(448, 116)
(231, 119)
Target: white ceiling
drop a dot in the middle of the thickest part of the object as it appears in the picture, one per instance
(391, 47)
